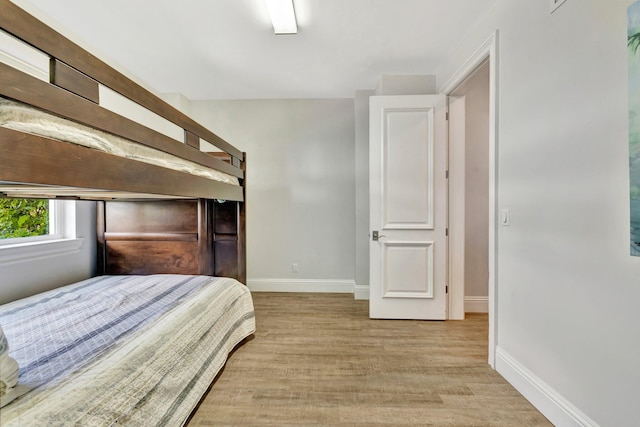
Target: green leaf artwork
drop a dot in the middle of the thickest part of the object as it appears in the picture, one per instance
(633, 47)
(23, 218)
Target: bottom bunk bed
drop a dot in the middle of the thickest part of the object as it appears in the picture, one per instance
(127, 350)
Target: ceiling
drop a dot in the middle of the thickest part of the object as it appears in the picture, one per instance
(226, 49)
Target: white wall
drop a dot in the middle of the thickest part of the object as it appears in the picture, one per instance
(28, 277)
(406, 84)
(567, 288)
(362, 192)
(300, 188)
(178, 101)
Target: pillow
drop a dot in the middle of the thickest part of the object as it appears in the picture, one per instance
(8, 366)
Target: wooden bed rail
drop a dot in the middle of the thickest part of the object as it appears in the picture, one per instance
(28, 159)
(70, 62)
(22, 87)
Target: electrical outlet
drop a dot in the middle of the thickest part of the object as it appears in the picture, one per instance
(294, 267)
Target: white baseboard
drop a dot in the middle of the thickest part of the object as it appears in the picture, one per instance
(548, 401)
(301, 285)
(361, 292)
(476, 304)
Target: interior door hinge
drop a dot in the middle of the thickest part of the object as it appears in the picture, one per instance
(446, 289)
(446, 231)
(446, 115)
(446, 174)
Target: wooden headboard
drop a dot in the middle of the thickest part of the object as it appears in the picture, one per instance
(178, 236)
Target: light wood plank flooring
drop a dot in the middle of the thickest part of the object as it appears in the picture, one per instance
(317, 359)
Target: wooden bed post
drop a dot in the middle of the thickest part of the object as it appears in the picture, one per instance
(102, 244)
(205, 238)
(229, 232)
(242, 231)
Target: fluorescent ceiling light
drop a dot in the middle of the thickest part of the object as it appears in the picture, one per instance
(283, 16)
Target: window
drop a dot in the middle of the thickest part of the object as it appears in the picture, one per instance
(28, 220)
(25, 218)
(31, 229)
(31, 220)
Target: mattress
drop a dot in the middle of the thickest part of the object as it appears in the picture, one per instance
(127, 350)
(24, 118)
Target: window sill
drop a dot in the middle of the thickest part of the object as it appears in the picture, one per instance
(30, 251)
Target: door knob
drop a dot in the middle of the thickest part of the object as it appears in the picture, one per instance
(375, 236)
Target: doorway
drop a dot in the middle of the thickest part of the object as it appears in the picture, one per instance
(486, 53)
(469, 194)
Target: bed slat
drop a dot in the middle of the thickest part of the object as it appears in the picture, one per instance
(74, 81)
(192, 140)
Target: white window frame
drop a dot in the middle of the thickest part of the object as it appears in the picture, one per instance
(61, 239)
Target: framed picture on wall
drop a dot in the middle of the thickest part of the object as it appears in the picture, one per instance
(554, 4)
(633, 48)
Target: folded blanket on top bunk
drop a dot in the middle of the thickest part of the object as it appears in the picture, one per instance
(131, 350)
(24, 118)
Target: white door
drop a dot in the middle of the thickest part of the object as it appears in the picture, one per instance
(408, 205)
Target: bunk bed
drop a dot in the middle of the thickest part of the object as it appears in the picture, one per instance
(171, 246)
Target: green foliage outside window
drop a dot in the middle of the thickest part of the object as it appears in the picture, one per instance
(23, 217)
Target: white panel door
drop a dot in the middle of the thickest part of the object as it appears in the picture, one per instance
(408, 190)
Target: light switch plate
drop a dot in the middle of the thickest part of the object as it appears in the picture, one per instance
(504, 217)
(554, 4)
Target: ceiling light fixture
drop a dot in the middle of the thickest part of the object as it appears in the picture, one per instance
(283, 16)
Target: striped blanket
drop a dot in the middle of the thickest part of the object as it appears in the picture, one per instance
(127, 350)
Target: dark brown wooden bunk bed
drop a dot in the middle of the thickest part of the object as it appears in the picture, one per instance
(209, 238)
(151, 218)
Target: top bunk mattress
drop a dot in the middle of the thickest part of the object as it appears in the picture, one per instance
(24, 118)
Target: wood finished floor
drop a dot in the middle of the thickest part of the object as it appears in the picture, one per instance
(317, 359)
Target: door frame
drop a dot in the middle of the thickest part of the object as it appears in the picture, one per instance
(488, 50)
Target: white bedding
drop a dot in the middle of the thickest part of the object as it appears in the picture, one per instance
(25, 118)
